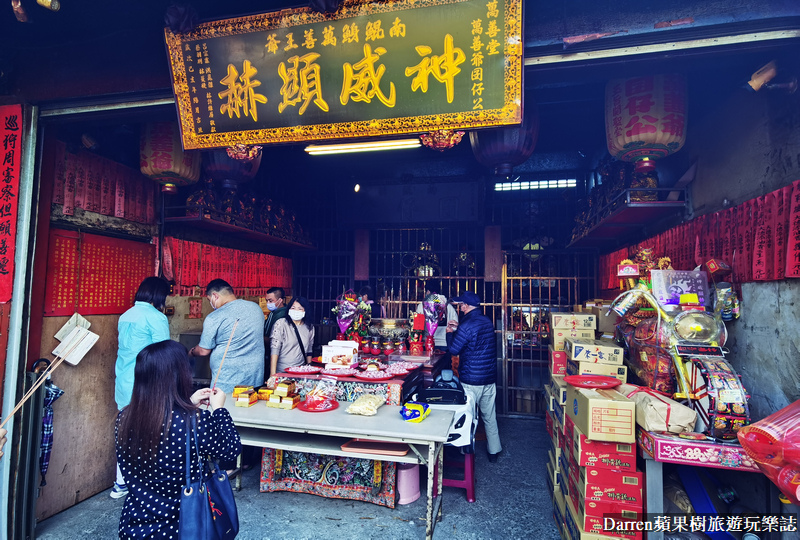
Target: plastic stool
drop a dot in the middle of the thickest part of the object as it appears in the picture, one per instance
(407, 483)
(467, 483)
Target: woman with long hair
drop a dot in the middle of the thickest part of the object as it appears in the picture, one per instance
(292, 337)
(151, 439)
(141, 325)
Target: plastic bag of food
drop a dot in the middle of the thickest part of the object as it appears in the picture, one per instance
(324, 390)
(367, 405)
(414, 411)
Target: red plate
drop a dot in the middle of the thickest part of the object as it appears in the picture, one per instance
(382, 377)
(342, 372)
(330, 405)
(303, 370)
(592, 381)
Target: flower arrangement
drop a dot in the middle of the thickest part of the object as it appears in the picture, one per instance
(352, 315)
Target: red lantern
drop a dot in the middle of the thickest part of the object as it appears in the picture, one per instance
(232, 166)
(646, 118)
(162, 158)
(502, 149)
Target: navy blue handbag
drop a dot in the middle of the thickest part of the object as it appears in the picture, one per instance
(208, 509)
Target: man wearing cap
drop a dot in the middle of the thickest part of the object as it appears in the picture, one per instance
(474, 343)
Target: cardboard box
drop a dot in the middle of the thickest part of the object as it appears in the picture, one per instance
(343, 353)
(593, 491)
(559, 389)
(598, 509)
(556, 448)
(558, 411)
(573, 321)
(591, 368)
(593, 350)
(606, 322)
(560, 336)
(559, 508)
(553, 475)
(558, 361)
(581, 528)
(609, 477)
(608, 455)
(548, 420)
(603, 415)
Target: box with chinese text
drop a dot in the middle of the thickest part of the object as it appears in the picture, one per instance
(590, 368)
(603, 415)
(599, 351)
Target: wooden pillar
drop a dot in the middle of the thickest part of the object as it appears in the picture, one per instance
(493, 254)
(361, 266)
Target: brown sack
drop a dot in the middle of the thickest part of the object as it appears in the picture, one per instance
(657, 412)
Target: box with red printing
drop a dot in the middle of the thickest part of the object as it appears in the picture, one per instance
(581, 527)
(622, 493)
(548, 423)
(624, 500)
(560, 337)
(610, 477)
(558, 361)
(610, 455)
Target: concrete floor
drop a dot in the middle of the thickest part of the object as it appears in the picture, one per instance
(512, 502)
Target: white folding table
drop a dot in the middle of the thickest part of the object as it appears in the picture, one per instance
(324, 433)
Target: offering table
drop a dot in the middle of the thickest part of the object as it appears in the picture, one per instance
(658, 448)
(324, 433)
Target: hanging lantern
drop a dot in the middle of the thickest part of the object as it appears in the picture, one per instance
(502, 149)
(232, 166)
(646, 118)
(162, 158)
(441, 140)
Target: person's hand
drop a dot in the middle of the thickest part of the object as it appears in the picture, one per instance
(216, 399)
(452, 326)
(201, 396)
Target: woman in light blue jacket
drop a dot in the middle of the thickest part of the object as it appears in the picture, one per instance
(140, 326)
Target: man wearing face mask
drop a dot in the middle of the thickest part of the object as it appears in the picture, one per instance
(276, 304)
(244, 362)
(292, 337)
(474, 343)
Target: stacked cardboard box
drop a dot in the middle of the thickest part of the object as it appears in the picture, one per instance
(563, 326)
(599, 476)
(595, 357)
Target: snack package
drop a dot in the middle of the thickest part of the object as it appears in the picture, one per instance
(414, 411)
(324, 390)
(366, 405)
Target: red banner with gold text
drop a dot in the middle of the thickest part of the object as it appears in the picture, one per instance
(11, 139)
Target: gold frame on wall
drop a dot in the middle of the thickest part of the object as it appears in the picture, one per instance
(509, 113)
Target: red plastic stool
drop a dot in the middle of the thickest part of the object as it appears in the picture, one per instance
(467, 483)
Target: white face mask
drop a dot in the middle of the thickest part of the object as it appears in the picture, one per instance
(296, 314)
(272, 306)
(211, 301)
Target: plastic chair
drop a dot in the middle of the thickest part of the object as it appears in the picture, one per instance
(461, 436)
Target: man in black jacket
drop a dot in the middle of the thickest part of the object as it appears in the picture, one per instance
(474, 343)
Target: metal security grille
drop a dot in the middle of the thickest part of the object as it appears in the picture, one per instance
(535, 285)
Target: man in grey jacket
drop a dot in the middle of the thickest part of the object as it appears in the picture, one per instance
(474, 344)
